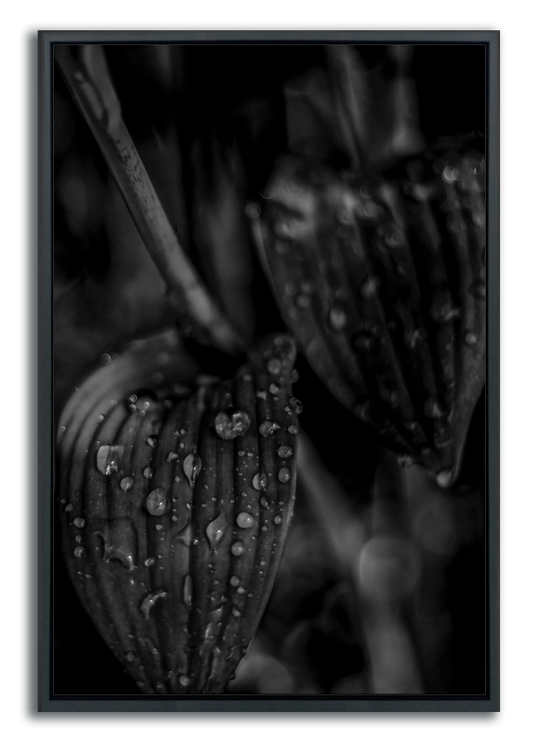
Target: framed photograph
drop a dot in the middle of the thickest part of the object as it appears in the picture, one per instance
(269, 371)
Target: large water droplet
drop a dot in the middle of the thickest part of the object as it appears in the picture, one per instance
(192, 464)
(151, 599)
(127, 483)
(268, 428)
(284, 475)
(107, 459)
(237, 548)
(229, 427)
(215, 531)
(156, 502)
(187, 590)
(245, 520)
(259, 481)
(285, 452)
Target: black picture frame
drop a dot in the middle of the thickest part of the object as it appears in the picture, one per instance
(35, 710)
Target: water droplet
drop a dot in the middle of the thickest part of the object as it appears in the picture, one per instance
(79, 551)
(277, 520)
(105, 359)
(69, 507)
(241, 590)
(369, 288)
(184, 680)
(215, 531)
(273, 388)
(148, 472)
(245, 520)
(151, 599)
(292, 429)
(268, 428)
(127, 483)
(78, 538)
(261, 395)
(229, 427)
(236, 613)
(470, 338)
(303, 301)
(237, 548)
(192, 464)
(285, 452)
(107, 459)
(149, 562)
(274, 366)
(130, 657)
(444, 478)
(259, 481)
(337, 319)
(78, 522)
(284, 475)
(264, 502)
(234, 581)
(433, 409)
(252, 210)
(296, 405)
(156, 502)
(187, 590)
(152, 440)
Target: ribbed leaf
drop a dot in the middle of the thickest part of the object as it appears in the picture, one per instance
(383, 284)
(174, 512)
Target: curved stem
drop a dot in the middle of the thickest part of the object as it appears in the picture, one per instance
(85, 70)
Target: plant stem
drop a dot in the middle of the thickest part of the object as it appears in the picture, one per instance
(85, 70)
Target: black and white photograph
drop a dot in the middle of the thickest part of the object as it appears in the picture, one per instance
(269, 340)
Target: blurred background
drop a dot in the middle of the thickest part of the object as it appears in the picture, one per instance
(382, 584)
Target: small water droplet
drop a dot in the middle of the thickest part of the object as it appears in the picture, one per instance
(107, 459)
(261, 395)
(79, 551)
(369, 288)
(274, 366)
(69, 507)
(148, 472)
(152, 440)
(444, 478)
(229, 427)
(433, 409)
(268, 428)
(252, 210)
(274, 388)
(237, 548)
(127, 483)
(105, 359)
(78, 522)
(215, 531)
(151, 599)
(149, 562)
(296, 405)
(241, 590)
(264, 502)
(236, 613)
(130, 657)
(78, 538)
(277, 520)
(259, 481)
(470, 338)
(184, 680)
(285, 452)
(187, 590)
(284, 475)
(171, 456)
(192, 464)
(245, 520)
(292, 429)
(337, 319)
(234, 581)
